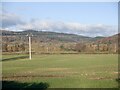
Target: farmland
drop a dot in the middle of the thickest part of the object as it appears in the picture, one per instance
(63, 71)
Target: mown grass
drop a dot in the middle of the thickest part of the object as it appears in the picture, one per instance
(64, 71)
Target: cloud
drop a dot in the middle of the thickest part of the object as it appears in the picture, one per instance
(70, 27)
(10, 19)
(14, 22)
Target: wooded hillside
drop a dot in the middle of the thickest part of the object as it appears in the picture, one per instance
(52, 42)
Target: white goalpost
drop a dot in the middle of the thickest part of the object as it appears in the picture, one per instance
(30, 53)
(30, 49)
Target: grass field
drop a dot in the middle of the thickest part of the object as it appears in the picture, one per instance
(64, 71)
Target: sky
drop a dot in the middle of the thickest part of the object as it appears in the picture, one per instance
(82, 18)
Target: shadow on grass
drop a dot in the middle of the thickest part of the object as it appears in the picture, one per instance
(20, 86)
(15, 58)
(118, 80)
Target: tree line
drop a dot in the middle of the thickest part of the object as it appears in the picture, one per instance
(49, 47)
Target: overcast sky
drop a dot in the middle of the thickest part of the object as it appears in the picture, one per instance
(88, 18)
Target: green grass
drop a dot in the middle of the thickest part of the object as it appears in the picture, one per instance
(64, 71)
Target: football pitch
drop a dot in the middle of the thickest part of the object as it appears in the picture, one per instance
(63, 71)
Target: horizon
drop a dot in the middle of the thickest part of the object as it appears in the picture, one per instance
(61, 33)
(84, 18)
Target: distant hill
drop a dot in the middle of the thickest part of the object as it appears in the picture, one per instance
(53, 42)
(110, 39)
(45, 36)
